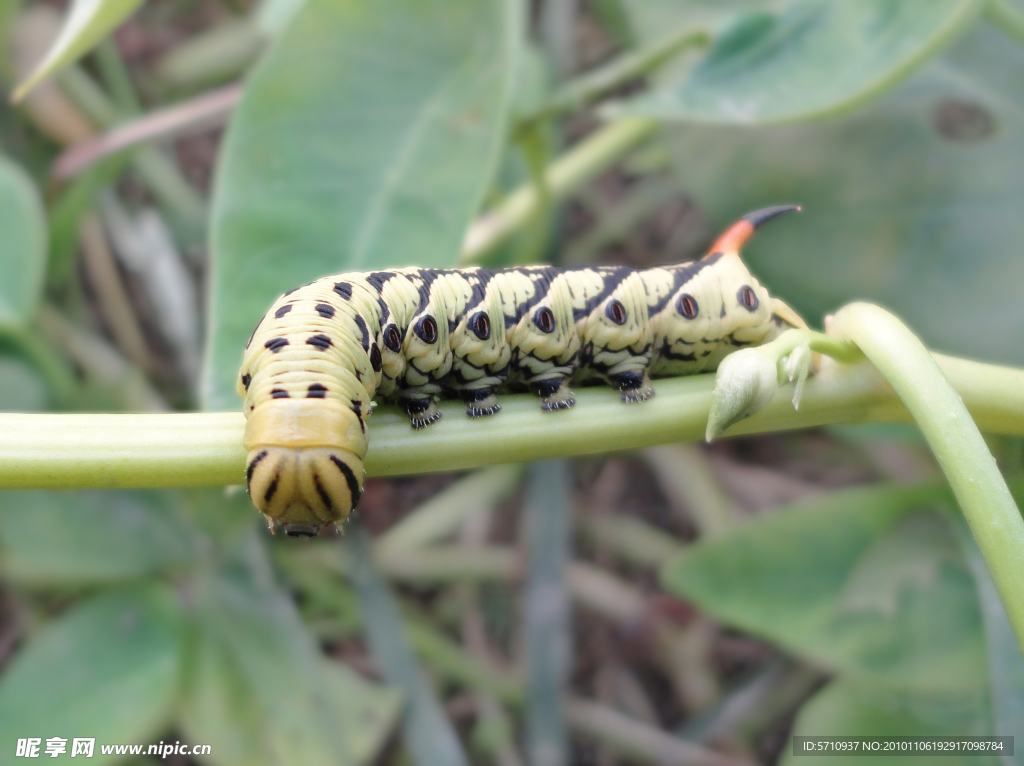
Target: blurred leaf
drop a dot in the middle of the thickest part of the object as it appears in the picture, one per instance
(22, 245)
(70, 206)
(365, 139)
(855, 582)
(366, 712)
(220, 708)
(650, 19)
(912, 202)
(22, 387)
(548, 621)
(88, 22)
(82, 537)
(258, 652)
(844, 708)
(107, 668)
(273, 16)
(1005, 662)
(429, 736)
(818, 57)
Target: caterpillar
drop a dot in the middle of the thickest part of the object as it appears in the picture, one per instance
(324, 352)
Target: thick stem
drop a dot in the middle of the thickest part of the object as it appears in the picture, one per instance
(193, 449)
(959, 448)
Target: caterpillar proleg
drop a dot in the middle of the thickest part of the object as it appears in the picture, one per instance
(325, 351)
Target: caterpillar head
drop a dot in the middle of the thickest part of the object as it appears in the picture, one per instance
(304, 467)
(303, 489)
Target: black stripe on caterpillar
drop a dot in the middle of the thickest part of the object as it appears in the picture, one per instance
(325, 351)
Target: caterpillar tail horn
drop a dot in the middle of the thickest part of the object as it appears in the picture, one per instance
(304, 467)
(733, 238)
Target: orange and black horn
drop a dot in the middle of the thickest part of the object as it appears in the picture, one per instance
(734, 237)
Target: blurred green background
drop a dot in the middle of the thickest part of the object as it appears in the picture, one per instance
(681, 605)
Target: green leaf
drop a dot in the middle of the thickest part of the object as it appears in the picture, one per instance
(854, 581)
(816, 58)
(88, 22)
(79, 538)
(845, 708)
(429, 736)
(22, 245)
(107, 668)
(220, 708)
(365, 139)
(912, 203)
(258, 686)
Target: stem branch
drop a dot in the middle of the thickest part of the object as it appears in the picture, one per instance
(955, 440)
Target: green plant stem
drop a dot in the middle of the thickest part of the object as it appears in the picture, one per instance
(205, 449)
(955, 440)
(593, 85)
(585, 160)
(1002, 14)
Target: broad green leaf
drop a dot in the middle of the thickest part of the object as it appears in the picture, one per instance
(88, 22)
(429, 736)
(365, 139)
(815, 58)
(219, 708)
(107, 668)
(22, 245)
(260, 654)
(366, 712)
(860, 581)
(845, 708)
(78, 538)
(912, 202)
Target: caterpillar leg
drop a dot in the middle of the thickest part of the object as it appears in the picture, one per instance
(633, 386)
(480, 402)
(554, 394)
(422, 412)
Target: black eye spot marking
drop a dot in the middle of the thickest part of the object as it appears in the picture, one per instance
(316, 391)
(282, 311)
(481, 325)
(748, 298)
(344, 289)
(688, 306)
(320, 341)
(325, 310)
(375, 360)
(276, 344)
(392, 339)
(616, 312)
(426, 329)
(246, 380)
(544, 319)
(279, 393)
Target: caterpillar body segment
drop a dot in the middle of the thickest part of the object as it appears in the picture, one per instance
(324, 352)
